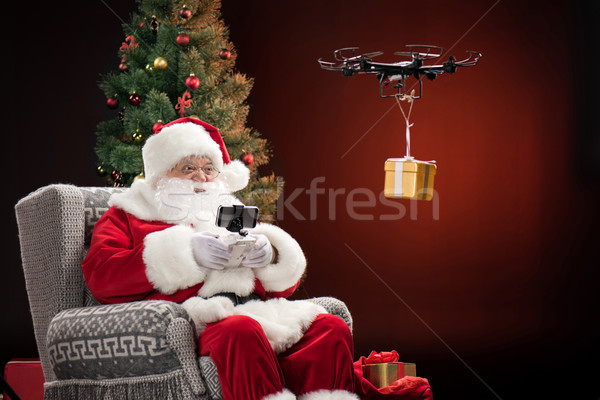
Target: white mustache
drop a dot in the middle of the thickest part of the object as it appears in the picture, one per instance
(187, 201)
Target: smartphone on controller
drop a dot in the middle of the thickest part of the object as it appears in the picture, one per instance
(237, 217)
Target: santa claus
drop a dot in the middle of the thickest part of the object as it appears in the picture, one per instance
(159, 240)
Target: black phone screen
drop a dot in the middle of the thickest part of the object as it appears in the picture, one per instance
(237, 217)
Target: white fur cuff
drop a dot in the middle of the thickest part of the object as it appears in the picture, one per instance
(329, 395)
(204, 311)
(283, 395)
(290, 264)
(170, 263)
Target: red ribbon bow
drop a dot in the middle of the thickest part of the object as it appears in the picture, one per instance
(383, 357)
(128, 44)
(183, 102)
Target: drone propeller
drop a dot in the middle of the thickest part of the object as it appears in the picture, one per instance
(423, 56)
(425, 52)
(354, 57)
(373, 54)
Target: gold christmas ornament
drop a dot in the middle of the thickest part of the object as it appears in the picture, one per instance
(100, 170)
(160, 63)
(140, 176)
(137, 136)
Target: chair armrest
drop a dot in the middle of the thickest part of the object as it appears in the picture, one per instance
(123, 340)
(51, 234)
(336, 307)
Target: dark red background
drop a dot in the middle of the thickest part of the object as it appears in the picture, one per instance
(490, 289)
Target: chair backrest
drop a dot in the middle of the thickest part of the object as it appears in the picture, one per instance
(55, 226)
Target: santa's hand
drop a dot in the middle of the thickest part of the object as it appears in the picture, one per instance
(210, 251)
(261, 255)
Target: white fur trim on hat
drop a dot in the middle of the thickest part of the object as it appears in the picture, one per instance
(235, 175)
(164, 150)
(170, 263)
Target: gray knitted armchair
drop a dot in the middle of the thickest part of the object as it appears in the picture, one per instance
(143, 349)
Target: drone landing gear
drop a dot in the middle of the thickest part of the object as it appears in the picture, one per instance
(395, 86)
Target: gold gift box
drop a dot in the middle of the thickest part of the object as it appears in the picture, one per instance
(384, 374)
(407, 178)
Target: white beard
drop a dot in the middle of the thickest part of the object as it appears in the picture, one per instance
(183, 201)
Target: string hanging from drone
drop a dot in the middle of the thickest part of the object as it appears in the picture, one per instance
(411, 100)
(405, 177)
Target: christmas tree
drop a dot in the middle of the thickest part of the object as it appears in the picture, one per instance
(176, 60)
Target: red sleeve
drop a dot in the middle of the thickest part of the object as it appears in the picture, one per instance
(114, 269)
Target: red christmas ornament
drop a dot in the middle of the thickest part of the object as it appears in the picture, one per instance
(192, 82)
(183, 39)
(185, 12)
(135, 99)
(157, 126)
(247, 158)
(123, 67)
(112, 103)
(224, 54)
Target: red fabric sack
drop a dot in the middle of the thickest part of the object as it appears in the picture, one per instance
(406, 388)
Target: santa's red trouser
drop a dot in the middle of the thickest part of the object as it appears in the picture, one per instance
(248, 367)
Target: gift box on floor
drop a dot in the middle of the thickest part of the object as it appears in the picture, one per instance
(25, 377)
(384, 374)
(407, 178)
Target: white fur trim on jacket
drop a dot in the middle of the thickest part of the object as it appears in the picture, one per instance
(290, 263)
(235, 280)
(170, 263)
(139, 200)
(283, 395)
(329, 395)
(204, 311)
(283, 321)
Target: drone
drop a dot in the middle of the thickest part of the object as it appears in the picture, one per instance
(394, 75)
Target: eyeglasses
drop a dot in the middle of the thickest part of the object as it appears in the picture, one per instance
(191, 171)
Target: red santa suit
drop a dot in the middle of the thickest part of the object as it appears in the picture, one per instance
(267, 348)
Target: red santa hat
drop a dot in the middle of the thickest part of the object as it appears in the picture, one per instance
(186, 137)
